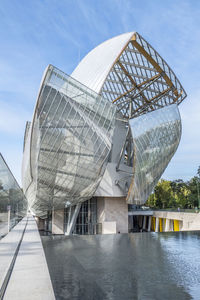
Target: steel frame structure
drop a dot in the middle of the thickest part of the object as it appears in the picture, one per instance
(141, 81)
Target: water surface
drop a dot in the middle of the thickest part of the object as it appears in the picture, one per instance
(143, 266)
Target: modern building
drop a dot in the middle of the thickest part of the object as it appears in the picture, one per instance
(101, 138)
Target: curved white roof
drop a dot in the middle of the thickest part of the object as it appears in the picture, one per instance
(95, 66)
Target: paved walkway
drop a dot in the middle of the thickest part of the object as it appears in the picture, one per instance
(30, 277)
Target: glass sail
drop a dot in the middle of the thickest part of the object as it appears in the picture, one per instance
(156, 136)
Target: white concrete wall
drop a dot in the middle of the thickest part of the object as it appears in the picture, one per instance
(188, 221)
(108, 186)
(40, 223)
(113, 209)
(109, 228)
(58, 221)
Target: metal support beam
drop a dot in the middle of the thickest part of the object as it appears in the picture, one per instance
(70, 228)
(69, 217)
(127, 73)
(122, 150)
(62, 172)
(150, 80)
(68, 152)
(154, 64)
(140, 93)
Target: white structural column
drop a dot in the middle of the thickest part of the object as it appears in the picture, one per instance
(72, 220)
(171, 225)
(157, 225)
(144, 222)
(58, 221)
(167, 225)
(149, 224)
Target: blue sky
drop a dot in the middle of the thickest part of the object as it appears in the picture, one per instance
(36, 33)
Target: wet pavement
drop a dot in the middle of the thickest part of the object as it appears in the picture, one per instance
(142, 266)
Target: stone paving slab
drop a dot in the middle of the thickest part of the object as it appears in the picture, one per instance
(30, 277)
(8, 246)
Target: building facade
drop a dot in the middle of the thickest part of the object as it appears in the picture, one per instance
(101, 138)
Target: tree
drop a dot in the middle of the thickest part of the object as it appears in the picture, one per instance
(198, 171)
(151, 201)
(177, 193)
(193, 197)
(198, 193)
(162, 196)
(171, 194)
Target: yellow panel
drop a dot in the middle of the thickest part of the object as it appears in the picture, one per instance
(176, 225)
(153, 224)
(161, 224)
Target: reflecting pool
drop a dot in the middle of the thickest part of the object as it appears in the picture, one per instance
(143, 266)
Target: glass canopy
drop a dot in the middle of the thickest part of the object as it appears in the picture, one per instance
(13, 204)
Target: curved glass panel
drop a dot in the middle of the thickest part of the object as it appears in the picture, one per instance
(156, 136)
(13, 204)
(70, 139)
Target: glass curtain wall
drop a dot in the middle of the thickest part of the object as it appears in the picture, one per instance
(86, 222)
(13, 204)
(71, 138)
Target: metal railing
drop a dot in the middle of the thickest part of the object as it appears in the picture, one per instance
(146, 208)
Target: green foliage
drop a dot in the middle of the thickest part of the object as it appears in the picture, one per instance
(177, 193)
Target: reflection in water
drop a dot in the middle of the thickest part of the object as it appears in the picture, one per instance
(183, 253)
(139, 266)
